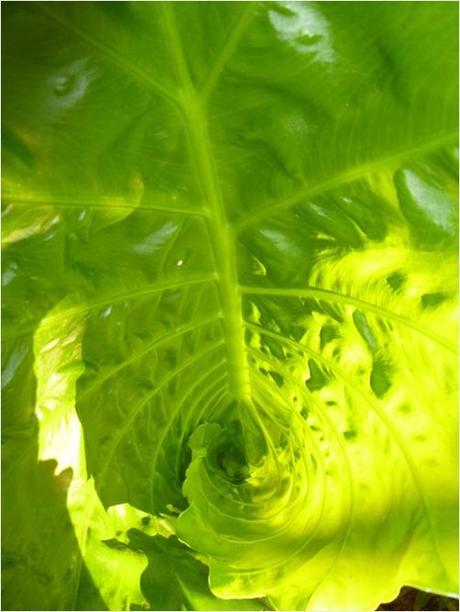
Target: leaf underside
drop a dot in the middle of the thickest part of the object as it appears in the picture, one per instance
(230, 278)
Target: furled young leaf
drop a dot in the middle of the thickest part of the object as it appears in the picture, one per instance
(230, 276)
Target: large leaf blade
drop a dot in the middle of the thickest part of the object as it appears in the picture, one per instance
(254, 232)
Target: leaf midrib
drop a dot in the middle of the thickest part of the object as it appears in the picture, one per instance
(221, 237)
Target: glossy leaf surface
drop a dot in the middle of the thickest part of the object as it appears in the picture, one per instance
(230, 276)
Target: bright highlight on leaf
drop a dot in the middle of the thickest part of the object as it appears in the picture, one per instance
(230, 299)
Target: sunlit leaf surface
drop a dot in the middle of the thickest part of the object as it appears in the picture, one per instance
(229, 286)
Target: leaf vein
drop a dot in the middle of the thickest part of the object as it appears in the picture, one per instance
(336, 297)
(236, 32)
(346, 176)
(118, 60)
(110, 300)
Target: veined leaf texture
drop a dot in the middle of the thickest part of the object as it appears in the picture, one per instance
(229, 288)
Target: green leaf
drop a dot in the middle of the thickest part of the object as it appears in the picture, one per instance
(230, 284)
(175, 580)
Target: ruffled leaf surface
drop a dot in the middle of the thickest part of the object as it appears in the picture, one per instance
(230, 277)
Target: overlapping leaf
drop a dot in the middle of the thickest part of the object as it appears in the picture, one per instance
(230, 257)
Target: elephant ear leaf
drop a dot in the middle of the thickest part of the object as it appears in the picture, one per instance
(230, 265)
